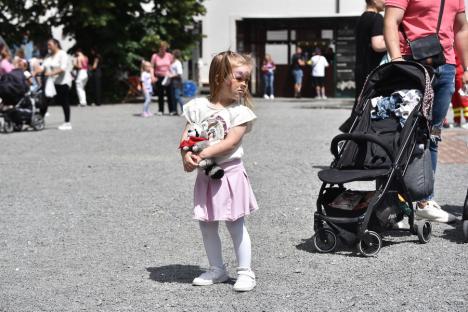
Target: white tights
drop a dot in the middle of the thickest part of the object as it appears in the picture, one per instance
(240, 239)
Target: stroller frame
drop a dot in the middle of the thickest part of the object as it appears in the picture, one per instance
(368, 242)
(36, 120)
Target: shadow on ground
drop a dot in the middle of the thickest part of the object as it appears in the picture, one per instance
(175, 273)
(455, 231)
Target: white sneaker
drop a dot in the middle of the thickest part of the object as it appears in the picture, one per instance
(266, 97)
(245, 280)
(324, 97)
(65, 126)
(212, 276)
(272, 97)
(433, 212)
(465, 125)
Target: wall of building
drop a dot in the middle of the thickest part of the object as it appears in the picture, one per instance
(219, 24)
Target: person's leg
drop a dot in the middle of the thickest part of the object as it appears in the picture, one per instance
(272, 90)
(147, 102)
(323, 92)
(97, 86)
(317, 91)
(80, 84)
(241, 241)
(170, 99)
(160, 93)
(63, 98)
(444, 87)
(212, 243)
(242, 246)
(265, 86)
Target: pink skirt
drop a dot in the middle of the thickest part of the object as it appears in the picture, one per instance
(226, 199)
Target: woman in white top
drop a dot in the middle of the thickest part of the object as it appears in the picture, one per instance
(58, 80)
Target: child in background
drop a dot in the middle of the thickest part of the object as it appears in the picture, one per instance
(147, 87)
(230, 198)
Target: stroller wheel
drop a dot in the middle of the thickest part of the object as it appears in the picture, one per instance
(8, 126)
(465, 230)
(38, 123)
(325, 240)
(370, 244)
(424, 231)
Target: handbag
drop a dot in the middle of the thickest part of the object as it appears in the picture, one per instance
(419, 177)
(50, 91)
(428, 50)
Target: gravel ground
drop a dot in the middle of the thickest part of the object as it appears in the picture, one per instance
(99, 219)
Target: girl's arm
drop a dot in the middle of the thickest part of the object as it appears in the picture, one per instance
(189, 160)
(227, 145)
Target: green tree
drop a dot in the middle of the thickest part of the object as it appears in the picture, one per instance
(123, 31)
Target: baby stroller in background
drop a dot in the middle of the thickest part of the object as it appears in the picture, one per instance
(381, 151)
(20, 106)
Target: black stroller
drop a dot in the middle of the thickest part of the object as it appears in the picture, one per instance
(396, 157)
(20, 106)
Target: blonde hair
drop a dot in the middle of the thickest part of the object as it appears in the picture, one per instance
(221, 69)
(144, 64)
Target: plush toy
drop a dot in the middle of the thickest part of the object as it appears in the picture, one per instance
(197, 140)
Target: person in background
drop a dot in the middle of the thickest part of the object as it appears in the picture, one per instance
(5, 64)
(95, 75)
(80, 64)
(459, 102)
(176, 76)
(319, 63)
(268, 70)
(161, 62)
(297, 61)
(406, 15)
(58, 76)
(370, 48)
(147, 78)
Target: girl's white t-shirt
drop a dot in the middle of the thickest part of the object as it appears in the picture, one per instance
(318, 62)
(199, 110)
(146, 81)
(59, 60)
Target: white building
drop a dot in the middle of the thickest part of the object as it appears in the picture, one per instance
(276, 27)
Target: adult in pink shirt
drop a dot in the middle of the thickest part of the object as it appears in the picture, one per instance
(419, 19)
(5, 64)
(161, 62)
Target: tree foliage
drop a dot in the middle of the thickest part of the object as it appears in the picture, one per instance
(123, 31)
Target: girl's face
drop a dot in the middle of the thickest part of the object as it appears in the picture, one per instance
(239, 81)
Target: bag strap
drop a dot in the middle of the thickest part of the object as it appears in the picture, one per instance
(439, 21)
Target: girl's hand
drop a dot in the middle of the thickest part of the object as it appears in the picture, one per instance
(190, 161)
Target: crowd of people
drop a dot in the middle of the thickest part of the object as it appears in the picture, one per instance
(55, 72)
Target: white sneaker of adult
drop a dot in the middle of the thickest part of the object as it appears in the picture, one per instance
(272, 97)
(212, 276)
(65, 126)
(324, 97)
(245, 280)
(266, 97)
(433, 212)
(465, 125)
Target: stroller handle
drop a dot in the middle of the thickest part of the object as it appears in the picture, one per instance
(358, 137)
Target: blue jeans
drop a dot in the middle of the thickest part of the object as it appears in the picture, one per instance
(178, 97)
(147, 102)
(268, 79)
(444, 86)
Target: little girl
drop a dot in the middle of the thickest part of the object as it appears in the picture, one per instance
(147, 87)
(230, 198)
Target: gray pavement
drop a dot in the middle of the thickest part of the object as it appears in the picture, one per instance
(99, 219)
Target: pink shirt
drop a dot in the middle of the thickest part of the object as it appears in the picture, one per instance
(162, 65)
(5, 67)
(420, 20)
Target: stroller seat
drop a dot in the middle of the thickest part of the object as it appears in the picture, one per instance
(339, 176)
